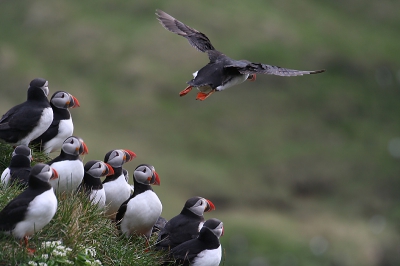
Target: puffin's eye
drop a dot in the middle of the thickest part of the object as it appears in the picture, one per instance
(99, 166)
(62, 95)
(201, 203)
(144, 170)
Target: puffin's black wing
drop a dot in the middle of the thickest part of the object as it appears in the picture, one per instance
(196, 39)
(187, 251)
(246, 67)
(15, 210)
(20, 117)
(121, 212)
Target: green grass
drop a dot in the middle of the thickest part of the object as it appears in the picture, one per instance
(79, 225)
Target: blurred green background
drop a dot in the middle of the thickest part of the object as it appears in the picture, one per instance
(302, 170)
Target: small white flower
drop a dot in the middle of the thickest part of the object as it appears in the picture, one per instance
(42, 264)
(45, 256)
(69, 262)
(32, 263)
(90, 251)
(68, 249)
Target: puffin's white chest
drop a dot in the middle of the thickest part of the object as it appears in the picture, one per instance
(65, 130)
(98, 197)
(141, 214)
(5, 176)
(234, 81)
(70, 175)
(42, 125)
(208, 257)
(39, 213)
(117, 191)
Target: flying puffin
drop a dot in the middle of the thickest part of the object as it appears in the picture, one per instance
(138, 214)
(19, 168)
(115, 186)
(186, 225)
(61, 127)
(68, 165)
(33, 209)
(221, 72)
(91, 183)
(28, 120)
(203, 250)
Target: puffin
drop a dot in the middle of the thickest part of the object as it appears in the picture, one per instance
(139, 213)
(34, 208)
(116, 187)
(28, 120)
(61, 127)
(91, 183)
(19, 168)
(186, 225)
(203, 250)
(221, 72)
(69, 165)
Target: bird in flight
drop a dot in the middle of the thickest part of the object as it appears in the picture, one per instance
(221, 72)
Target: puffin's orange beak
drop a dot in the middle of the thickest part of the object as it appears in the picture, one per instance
(130, 155)
(54, 175)
(110, 170)
(76, 102)
(210, 206)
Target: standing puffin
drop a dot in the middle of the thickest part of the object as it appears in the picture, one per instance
(221, 72)
(19, 168)
(116, 186)
(205, 250)
(28, 120)
(33, 209)
(68, 165)
(186, 225)
(91, 183)
(138, 214)
(61, 127)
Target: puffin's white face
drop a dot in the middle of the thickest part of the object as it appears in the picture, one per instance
(72, 145)
(219, 230)
(146, 174)
(201, 206)
(100, 169)
(117, 158)
(45, 88)
(46, 172)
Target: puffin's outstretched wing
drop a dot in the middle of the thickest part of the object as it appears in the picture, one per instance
(196, 39)
(246, 67)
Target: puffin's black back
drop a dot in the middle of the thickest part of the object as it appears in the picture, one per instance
(187, 251)
(15, 210)
(179, 229)
(20, 168)
(22, 118)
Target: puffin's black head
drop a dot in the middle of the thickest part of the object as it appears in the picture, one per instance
(146, 174)
(199, 205)
(64, 100)
(98, 169)
(38, 83)
(215, 226)
(23, 150)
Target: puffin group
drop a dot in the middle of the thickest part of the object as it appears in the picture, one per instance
(46, 125)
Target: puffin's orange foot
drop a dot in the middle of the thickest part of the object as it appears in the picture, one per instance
(201, 96)
(252, 77)
(185, 91)
(31, 251)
